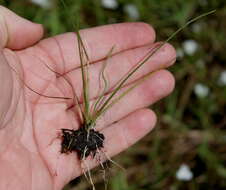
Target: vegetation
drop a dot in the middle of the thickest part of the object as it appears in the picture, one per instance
(192, 122)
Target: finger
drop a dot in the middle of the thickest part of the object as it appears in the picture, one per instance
(157, 86)
(118, 66)
(126, 132)
(63, 49)
(17, 32)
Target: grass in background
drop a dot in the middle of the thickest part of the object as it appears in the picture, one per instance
(192, 123)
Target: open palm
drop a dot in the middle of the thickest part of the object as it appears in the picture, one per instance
(30, 157)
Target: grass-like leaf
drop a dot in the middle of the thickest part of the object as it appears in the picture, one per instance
(103, 78)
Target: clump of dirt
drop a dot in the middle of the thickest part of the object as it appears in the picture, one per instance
(84, 142)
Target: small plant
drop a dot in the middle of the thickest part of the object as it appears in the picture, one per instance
(86, 140)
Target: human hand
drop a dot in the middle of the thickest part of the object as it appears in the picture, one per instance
(30, 157)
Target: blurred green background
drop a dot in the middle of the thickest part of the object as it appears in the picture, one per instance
(191, 129)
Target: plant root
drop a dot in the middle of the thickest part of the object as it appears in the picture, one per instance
(83, 141)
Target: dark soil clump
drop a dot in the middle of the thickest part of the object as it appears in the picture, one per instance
(84, 142)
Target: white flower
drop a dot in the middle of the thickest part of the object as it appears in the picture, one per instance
(184, 173)
(190, 47)
(132, 11)
(201, 90)
(222, 78)
(180, 53)
(110, 4)
(42, 3)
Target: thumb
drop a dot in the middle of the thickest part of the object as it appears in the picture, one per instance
(17, 32)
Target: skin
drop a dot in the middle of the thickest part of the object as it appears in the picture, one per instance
(30, 157)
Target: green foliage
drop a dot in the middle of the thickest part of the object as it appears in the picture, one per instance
(191, 129)
(119, 182)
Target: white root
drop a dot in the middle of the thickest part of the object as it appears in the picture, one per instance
(87, 170)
